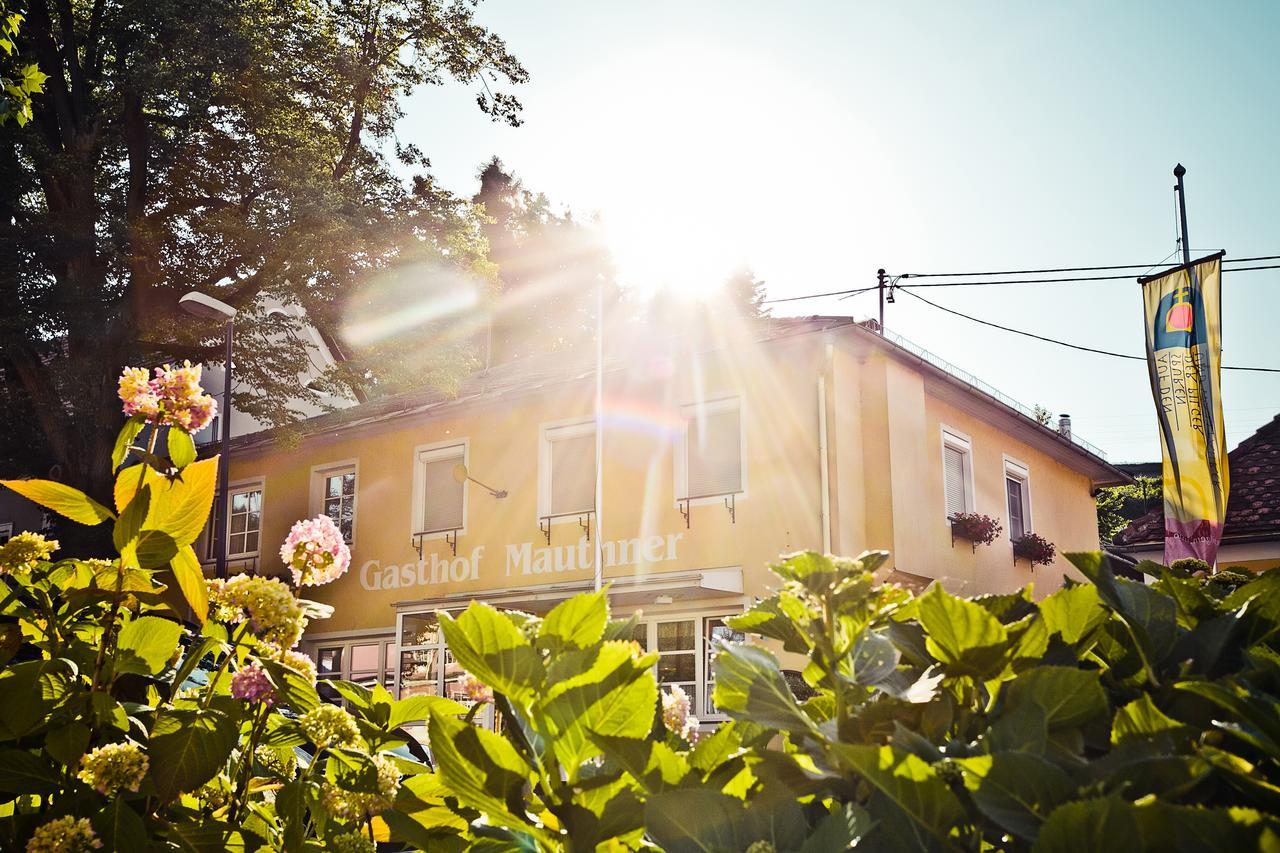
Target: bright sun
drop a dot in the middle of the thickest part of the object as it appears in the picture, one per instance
(662, 250)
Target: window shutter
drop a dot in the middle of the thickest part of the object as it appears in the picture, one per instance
(715, 453)
(573, 474)
(1017, 522)
(442, 495)
(953, 465)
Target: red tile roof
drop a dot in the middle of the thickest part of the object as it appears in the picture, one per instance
(1253, 507)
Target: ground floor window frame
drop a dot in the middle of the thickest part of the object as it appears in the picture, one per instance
(683, 637)
(337, 657)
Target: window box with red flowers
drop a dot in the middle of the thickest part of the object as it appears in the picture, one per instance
(1034, 548)
(978, 529)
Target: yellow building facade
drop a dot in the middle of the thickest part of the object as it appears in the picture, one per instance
(715, 459)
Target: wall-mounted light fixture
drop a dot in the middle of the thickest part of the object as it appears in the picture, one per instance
(460, 475)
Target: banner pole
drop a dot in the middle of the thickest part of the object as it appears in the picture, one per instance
(1178, 172)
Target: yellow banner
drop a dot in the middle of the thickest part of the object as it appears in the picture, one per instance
(1184, 354)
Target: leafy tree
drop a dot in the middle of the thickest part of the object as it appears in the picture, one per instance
(745, 293)
(1119, 505)
(242, 149)
(19, 79)
(549, 265)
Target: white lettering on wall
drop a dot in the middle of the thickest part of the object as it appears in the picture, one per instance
(522, 559)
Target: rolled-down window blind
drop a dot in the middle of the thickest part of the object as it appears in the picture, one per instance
(573, 474)
(953, 465)
(715, 453)
(442, 494)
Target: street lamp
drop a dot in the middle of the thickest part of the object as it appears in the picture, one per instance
(209, 308)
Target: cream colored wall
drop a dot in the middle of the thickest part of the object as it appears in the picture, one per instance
(779, 513)
(1062, 510)
(885, 489)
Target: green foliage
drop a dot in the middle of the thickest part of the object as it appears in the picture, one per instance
(1109, 715)
(19, 78)
(1119, 505)
(121, 710)
(247, 150)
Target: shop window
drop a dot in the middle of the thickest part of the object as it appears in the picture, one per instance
(678, 657)
(427, 668)
(1017, 487)
(713, 450)
(333, 490)
(686, 650)
(957, 473)
(715, 630)
(440, 499)
(368, 661)
(568, 470)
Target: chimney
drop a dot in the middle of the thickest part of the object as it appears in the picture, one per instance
(1064, 426)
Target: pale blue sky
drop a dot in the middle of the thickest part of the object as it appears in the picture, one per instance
(819, 141)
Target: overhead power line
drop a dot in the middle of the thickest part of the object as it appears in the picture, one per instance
(1051, 280)
(817, 295)
(1063, 343)
(1072, 269)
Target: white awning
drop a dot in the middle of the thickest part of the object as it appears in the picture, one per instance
(630, 591)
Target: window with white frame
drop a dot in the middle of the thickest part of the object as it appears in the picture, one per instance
(686, 647)
(244, 526)
(441, 500)
(6, 531)
(334, 488)
(957, 473)
(713, 449)
(427, 667)
(1017, 489)
(568, 468)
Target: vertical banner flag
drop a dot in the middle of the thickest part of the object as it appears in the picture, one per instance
(1184, 356)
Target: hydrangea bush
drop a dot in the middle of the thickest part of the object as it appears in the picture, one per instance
(147, 707)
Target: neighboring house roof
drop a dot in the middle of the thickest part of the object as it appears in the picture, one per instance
(1253, 507)
(531, 374)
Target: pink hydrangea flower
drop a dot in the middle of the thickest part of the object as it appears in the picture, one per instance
(314, 552)
(475, 689)
(252, 685)
(173, 397)
(675, 714)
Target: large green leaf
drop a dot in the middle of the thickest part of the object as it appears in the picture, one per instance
(124, 439)
(64, 500)
(292, 687)
(187, 571)
(610, 699)
(906, 780)
(1149, 615)
(182, 450)
(30, 691)
(1073, 612)
(179, 508)
(22, 772)
(188, 747)
(483, 771)
(962, 635)
(1141, 719)
(750, 685)
(489, 646)
(698, 821)
(1016, 790)
(1068, 696)
(418, 709)
(120, 827)
(1251, 715)
(146, 644)
(1099, 826)
(578, 621)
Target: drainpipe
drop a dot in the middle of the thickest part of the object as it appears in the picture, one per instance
(824, 462)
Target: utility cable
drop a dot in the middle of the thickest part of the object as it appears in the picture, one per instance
(818, 295)
(1071, 269)
(1064, 343)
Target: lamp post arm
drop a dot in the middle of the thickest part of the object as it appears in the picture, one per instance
(223, 508)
